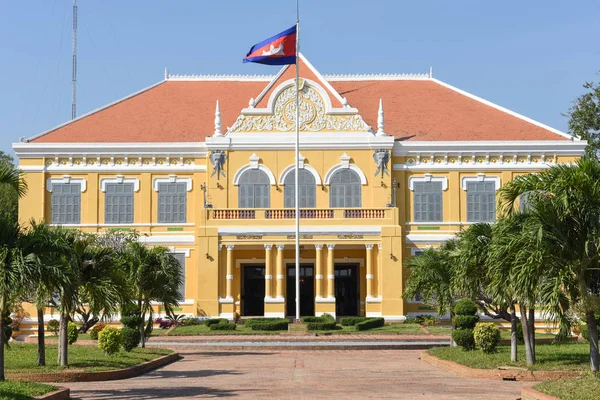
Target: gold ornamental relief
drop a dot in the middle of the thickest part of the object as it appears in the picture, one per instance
(313, 117)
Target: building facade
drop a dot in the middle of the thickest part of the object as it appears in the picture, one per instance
(389, 165)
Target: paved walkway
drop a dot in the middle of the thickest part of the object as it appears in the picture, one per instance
(362, 337)
(290, 374)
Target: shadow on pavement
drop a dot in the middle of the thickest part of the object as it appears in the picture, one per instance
(158, 393)
(191, 374)
(226, 353)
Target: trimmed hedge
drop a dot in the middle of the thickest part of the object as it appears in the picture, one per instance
(465, 321)
(487, 336)
(130, 338)
(370, 323)
(306, 320)
(226, 326)
(214, 321)
(109, 340)
(96, 329)
(132, 321)
(465, 307)
(321, 325)
(281, 324)
(72, 332)
(464, 338)
(351, 321)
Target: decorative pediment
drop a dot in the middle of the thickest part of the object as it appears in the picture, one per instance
(316, 112)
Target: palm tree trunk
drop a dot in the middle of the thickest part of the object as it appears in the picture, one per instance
(593, 335)
(63, 339)
(526, 337)
(41, 338)
(1, 347)
(143, 330)
(513, 333)
(531, 322)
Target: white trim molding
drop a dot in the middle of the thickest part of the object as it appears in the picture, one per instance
(160, 240)
(480, 178)
(66, 179)
(427, 178)
(307, 167)
(345, 164)
(172, 179)
(428, 238)
(120, 179)
(254, 165)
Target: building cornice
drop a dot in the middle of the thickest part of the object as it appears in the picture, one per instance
(92, 150)
(574, 147)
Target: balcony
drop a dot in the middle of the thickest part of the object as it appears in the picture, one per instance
(376, 216)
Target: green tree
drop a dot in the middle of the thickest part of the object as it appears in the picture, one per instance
(10, 188)
(560, 240)
(154, 275)
(584, 119)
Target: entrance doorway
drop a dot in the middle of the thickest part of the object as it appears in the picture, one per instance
(346, 290)
(307, 290)
(253, 290)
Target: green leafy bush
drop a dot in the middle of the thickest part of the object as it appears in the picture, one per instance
(96, 329)
(53, 326)
(72, 332)
(109, 340)
(351, 321)
(189, 321)
(132, 321)
(370, 323)
(311, 319)
(487, 336)
(223, 326)
(130, 338)
(465, 321)
(251, 321)
(464, 338)
(214, 321)
(327, 317)
(279, 324)
(465, 307)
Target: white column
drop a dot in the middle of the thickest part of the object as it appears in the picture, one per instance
(379, 268)
(369, 257)
(319, 270)
(268, 272)
(280, 275)
(330, 272)
(229, 276)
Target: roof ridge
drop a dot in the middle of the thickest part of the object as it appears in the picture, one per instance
(218, 77)
(268, 78)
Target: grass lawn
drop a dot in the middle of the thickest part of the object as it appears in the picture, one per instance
(438, 330)
(23, 358)
(398, 329)
(580, 388)
(13, 390)
(566, 357)
(505, 334)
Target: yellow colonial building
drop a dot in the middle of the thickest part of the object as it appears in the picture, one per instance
(389, 165)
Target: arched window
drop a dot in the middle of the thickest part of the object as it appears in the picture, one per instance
(307, 194)
(253, 189)
(345, 189)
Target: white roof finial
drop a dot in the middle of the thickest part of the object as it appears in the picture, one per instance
(380, 120)
(166, 73)
(218, 121)
(430, 72)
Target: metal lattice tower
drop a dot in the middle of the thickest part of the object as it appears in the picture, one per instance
(74, 66)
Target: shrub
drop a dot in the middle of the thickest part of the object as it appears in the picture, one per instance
(321, 325)
(132, 321)
(465, 321)
(410, 320)
(487, 336)
(465, 307)
(223, 326)
(280, 324)
(427, 320)
(370, 323)
(96, 329)
(53, 326)
(191, 321)
(130, 338)
(252, 321)
(72, 332)
(327, 317)
(214, 321)
(109, 340)
(351, 321)
(464, 338)
(311, 319)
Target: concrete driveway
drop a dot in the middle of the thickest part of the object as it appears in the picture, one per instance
(291, 374)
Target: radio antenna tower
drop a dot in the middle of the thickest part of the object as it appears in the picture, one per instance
(74, 66)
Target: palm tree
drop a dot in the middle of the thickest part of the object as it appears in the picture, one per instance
(16, 268)
(564, 220)
(431, 277)
(154, 275)
(47, 245)
(95, 281)
(12, 177)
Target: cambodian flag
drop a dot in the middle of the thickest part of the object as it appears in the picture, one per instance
(277, 50)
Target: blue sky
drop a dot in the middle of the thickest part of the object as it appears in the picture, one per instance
(529, 56)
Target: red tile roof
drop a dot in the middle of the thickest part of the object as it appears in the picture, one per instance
(184, 111)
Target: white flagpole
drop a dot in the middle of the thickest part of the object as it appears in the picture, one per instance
(296, 190)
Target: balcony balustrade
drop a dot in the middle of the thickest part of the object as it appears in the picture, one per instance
(307, 213)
